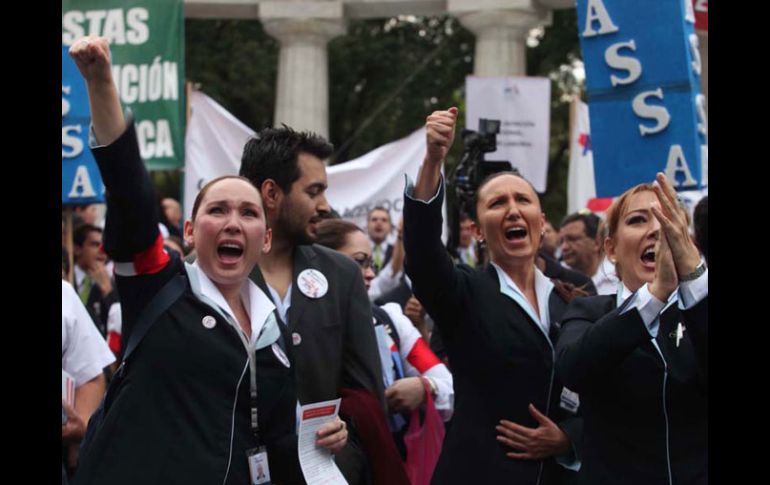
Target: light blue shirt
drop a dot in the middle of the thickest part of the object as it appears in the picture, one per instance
(689, 294)
(281, 305)
(543, 289)
(264, 328)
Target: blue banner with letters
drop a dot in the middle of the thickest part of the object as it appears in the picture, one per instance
(643, 84)
(80, 179)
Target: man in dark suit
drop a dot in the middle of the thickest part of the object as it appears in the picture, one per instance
(319, 293)
(93, 281)
(379, 227)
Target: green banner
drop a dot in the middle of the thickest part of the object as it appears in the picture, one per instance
(147, 44)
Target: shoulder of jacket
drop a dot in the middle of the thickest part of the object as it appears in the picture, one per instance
(589, 308)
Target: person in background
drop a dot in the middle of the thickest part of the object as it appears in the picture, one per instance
(582, 251)
(93, 281)
(84, 355)
(171, 216)
(379, 228)
(406, 358)
(550, 243)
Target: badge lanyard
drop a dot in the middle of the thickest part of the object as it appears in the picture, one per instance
(259, 471)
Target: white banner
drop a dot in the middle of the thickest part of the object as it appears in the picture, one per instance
(522, 104)
(376, 179)
(213, 145)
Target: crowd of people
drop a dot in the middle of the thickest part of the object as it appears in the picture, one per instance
(569, 353)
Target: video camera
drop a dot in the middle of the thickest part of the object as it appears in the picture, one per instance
(473, 169)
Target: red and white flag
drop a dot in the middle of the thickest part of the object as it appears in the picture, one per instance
(581, 185)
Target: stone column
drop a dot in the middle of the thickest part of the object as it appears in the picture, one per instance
(303, 29)
(501, 32)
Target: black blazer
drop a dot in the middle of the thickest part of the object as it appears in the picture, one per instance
(555, 270)
(182, 414)
(337, 345)
(98, 305)
(644, 411)
(501, 360)
(338, 348)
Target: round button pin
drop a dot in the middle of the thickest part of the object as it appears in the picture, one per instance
(296, 339)
(312, 283)
(209, 322)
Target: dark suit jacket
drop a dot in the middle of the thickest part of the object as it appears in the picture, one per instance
(555, 270)
(182, 414)
(98, 305)
(641, 412)
(338, 348)
(501, 360)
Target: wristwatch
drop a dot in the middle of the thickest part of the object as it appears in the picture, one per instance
(698, 271)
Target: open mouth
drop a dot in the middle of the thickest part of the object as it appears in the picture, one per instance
(515, 233)
(648, 256)
(229, 252)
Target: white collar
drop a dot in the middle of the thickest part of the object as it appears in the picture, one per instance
(624, 293)
(79, 276)
(543, 289)
(258, 305)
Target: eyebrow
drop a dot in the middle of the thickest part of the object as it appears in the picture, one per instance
(317, 185)
(226, 201)
(642, 210)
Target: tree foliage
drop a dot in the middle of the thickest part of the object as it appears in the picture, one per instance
(385, 77)
(236, 63)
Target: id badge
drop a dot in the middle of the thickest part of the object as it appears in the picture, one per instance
(258, 468)
(570, 401)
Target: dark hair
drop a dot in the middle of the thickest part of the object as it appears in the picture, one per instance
(272, 154)
(590, 221)
(474, 212)
(378, 208)
(80, 234)
(205, 189)
(701, 226)
(333, 233)
(178, 240)
(464, 216)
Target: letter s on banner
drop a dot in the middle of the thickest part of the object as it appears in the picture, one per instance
(658, 113)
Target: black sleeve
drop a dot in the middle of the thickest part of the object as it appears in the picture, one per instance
(131, 235)
(573, 428)
(132, 214)
(593, 343)
(696, 320)
(436, 282)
